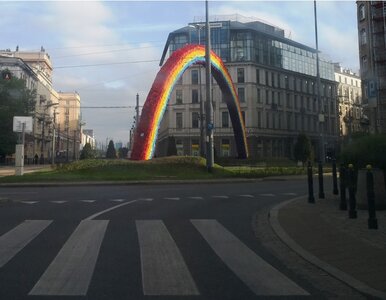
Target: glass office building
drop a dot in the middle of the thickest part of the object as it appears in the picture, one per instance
(276, 82)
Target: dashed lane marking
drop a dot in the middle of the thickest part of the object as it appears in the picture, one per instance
(29, 202)
(117, 200)
(267, 195)
(289, 194)
(247, 196)
(58, 202)
(221, 197)
(172, 198)
(87, 201)
(196, 198)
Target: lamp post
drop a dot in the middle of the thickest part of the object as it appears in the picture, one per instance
(209, 105)
(202, 112)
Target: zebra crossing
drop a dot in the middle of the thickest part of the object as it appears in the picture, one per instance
(164, 271)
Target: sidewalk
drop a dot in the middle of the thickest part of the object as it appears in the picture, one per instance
(10, 170)
(343, 247)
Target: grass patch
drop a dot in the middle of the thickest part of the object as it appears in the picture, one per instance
(166, 168)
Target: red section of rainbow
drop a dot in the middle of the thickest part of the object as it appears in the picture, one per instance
(156, 101)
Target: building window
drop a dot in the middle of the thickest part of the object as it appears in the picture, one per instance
(279, 98)
(288, 100)
(225, 119)
(258, 119)
(363, 37)
(194, 96)
(273, 79)
(364, 62)
(241, 94)
(258, 96)
(266, 78)
(267, 120)
(266, 97)
(194, 74)
(258, 76)
(179, 120)
(361, 12)
(286, 80)
(240, 75)
(195, 119)
(178, 96)
(225, 149)
(296, 101)
(289, 121)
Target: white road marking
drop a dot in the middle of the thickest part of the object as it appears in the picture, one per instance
(255, 272)
(109, 209)
(289, 194)
(87, 201)
(16, 239)
(117, 200)
(145, 199)
(247, 196)
(196, 198)
(172, 198)
(220, 197)
(164, 271)
(267, 195)
(70, 272)
(58, 202)
(29, 202)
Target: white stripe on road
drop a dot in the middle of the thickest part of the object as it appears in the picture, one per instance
(267, 195)
(117, 200)
(87, 201)
(164, 271)
(220, 197)
(16, 239)
(29, 202)
(256, 273)
(109, 209)
(196, 198)
(246, 196)
(70, 272)
(58, 202)
(172, 198)
(289, 194)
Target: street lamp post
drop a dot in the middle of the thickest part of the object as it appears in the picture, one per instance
(202, 111)
(209, 106)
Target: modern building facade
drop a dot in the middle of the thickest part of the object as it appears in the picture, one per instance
(372, 53)
(351, 116)
(275, 79)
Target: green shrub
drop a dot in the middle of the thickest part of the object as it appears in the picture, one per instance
(365, 150)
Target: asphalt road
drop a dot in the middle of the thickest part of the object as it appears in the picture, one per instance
(182, 241)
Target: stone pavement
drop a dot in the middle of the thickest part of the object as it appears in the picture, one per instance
(325, 236)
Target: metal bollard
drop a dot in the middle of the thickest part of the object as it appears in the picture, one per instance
(352, 213)
(334, 178)
(372, 221)
(321, 188)
(342, 185)
(311, 198)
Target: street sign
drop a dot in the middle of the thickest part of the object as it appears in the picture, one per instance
(18, 124)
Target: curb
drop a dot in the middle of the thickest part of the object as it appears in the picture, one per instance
(292, 244)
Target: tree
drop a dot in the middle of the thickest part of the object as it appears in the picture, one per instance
(303, 148)
(87, 152)
(111, 153)
(15, 100)
(122, 152)
(172, 148)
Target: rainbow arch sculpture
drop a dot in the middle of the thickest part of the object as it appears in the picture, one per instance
(154, 108)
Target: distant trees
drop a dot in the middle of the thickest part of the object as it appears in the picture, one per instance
(111, 153)
(122, 152)
(172, 147)
(15, 100)
(87, 152)
(303, 148)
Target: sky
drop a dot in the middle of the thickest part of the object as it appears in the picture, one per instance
(108, 51)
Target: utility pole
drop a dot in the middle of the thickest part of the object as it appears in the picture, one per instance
(320, 101)
(209, 106)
